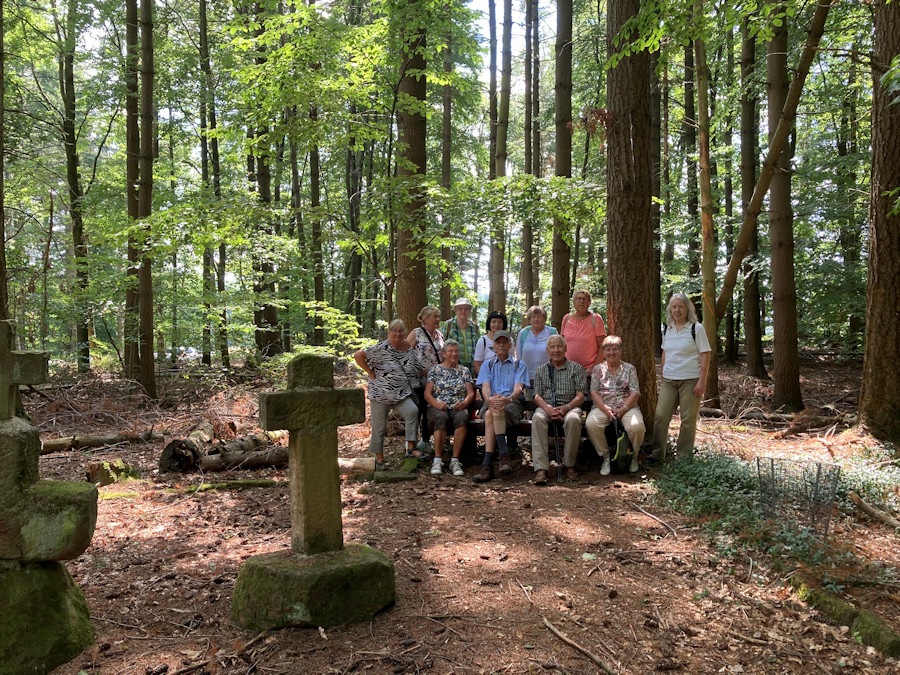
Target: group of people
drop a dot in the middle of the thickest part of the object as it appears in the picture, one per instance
(430, 378)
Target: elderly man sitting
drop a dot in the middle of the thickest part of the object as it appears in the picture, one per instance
(559, 390)
(502, 380)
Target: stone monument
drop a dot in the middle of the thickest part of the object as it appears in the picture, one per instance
(44, 619)
(319, 581)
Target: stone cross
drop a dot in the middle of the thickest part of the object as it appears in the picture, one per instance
(312, 410)
(17, 368)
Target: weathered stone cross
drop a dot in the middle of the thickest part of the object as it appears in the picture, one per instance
(318, 581)
(17, 368)
(311, 410)
(45, 619)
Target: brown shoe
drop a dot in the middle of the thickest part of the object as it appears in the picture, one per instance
(484, 474)
(540, 477)
(571, 473)
(505, 467)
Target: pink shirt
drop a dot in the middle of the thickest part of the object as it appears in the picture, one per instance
(582, 345)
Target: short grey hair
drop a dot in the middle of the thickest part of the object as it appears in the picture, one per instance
(691, 311)
(535, 309)
(556, 337)
(450, 342)
(395, 323)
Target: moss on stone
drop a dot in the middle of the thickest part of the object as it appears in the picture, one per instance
(869, 628)
(288, 589)
(57, 520)
(44, 620)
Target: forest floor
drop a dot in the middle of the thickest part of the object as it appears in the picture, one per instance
(479, 568)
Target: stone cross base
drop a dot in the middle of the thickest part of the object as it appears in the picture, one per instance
(44, 620)
(282, 589)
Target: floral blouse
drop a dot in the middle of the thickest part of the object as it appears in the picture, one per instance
(429, 355)
(614, 389)
(449, 383)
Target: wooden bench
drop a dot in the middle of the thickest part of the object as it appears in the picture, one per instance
(475, 429)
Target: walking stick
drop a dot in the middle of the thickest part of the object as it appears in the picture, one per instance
(555, 423)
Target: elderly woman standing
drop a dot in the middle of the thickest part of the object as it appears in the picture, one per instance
(427, 342)
(484, 350)
(615, 393)
(392, 368)
(584, 332)
(685, 364)
(449, 392)
(531, 343)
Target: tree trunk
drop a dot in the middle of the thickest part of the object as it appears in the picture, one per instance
(689, 135)
(629, 224)
(781, 234)
(656, 191)
(73, 181)
(526, 278)
(207, 274)
(731, 346)
(446, 302)
(132, 178)
(318, 255)
(708, 233)
(145, 199)
(880, 399)
(498, 235)
(560, 289)
(4, 277)
(411, 294)
(749, 148)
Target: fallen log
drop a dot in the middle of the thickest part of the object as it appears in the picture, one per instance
(798, 420)
(77, 442)
(183, 454)
(278, 457)
(872, 512)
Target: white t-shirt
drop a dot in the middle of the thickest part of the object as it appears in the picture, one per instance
(683, 353)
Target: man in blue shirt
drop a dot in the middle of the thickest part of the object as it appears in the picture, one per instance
(502, 381)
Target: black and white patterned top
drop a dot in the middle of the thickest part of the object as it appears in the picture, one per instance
(395, 371)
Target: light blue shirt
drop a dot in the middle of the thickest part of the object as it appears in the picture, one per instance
(503, 375)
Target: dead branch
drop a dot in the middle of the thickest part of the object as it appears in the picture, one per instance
(77, 442)
(746, 638)
(237, 652)
(593, 657)
(650, 515)
(872, 512)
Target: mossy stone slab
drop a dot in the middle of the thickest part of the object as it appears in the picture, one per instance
(44, 620)
(395, 476)
(282, 589)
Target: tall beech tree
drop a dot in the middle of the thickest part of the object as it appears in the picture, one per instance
(880, 400)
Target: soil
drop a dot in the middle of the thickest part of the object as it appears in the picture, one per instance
(480, 569)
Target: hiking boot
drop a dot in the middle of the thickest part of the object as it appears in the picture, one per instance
(606, 468)
(484, 474)
(505, 467)
(456, 468)
(634, 464)
(437, 467)
(540, 477)
(571, 473)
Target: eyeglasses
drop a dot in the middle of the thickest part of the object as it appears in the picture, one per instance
(397, 331)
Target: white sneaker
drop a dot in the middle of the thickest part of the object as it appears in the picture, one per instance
(634, 468)
(437, 466)
(606, 468)
(456, 468)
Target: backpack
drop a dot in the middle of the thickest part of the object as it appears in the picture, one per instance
(621, 452)
(566, 318)
(693, 331)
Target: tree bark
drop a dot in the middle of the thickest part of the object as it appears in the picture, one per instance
(656, 191)
(749, 148)
(498, 237)
(4, 278)
(880, 399)
(708, 233)
(629, 224)
(446, 302)
(560, 289)
(75, 188)
(781, 234)
(526, 282)
(132, 178)
(689, 136)
(412, 163)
